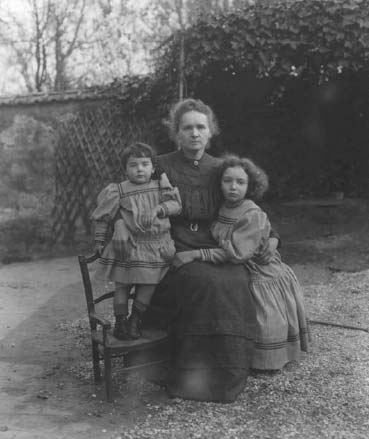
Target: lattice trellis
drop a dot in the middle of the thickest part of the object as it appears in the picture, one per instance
(88, 157)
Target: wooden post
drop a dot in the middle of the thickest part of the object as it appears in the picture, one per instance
(181, 67)
(179, 6)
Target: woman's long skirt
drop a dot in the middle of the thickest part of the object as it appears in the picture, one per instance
(210, 316)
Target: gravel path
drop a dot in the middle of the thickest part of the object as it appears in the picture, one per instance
(325, 395)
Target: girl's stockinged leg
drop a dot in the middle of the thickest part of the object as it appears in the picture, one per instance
(142, 300)
(120, 304)
(121, 297)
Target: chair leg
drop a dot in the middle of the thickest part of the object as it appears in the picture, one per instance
(96, 362)
(107, 374)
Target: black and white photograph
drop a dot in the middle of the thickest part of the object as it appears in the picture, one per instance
(184, 219)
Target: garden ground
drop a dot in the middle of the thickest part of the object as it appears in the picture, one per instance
(46, 388)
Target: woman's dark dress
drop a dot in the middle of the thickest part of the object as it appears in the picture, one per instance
(210, 310)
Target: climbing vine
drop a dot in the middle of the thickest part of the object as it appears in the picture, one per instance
(285, 40)
(311, 40)
(309, 58)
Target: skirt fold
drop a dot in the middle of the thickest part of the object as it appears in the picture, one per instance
(211, 325)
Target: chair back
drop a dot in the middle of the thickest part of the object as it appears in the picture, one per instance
(92, 290)
(83, 265)
(93, 297)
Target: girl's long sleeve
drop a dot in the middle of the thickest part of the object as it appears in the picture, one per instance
(244, 242)
(213, 255)
(170, 198)
(106, 210)
(246, 237)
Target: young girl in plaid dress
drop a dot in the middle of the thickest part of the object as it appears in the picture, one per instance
(141, 250)
(242, 231)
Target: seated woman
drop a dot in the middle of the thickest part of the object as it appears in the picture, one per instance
(212, 315)
(242, 230)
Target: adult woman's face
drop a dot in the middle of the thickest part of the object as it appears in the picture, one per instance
(193, 134)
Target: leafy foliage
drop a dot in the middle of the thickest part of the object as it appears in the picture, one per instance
(308, 60)
(312, 40)
(26, 186)
(27, 154)
(284, 42)
(26, 164)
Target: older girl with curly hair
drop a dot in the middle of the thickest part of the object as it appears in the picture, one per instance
(242, 231)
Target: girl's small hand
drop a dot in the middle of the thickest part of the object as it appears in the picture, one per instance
(269, 252)
(148, 218)
(98, 248)
(119, 239)
(183, 258)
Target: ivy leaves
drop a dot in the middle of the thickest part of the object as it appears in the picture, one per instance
(310, 39)
(288, 40)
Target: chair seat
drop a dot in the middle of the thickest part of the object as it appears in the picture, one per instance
(150, 337)
(145, 353)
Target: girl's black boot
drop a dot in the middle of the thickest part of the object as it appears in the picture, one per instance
(121, 327)
(135, 324)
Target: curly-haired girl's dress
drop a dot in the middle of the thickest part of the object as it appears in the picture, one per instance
(242, 232)
(147, 253)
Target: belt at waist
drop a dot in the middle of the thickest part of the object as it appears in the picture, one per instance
(193, 225)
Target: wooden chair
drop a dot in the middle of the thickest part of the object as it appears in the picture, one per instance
(150, 350)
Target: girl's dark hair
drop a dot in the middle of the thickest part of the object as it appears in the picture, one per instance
(138, 149)
(186, 105)
(258, 182)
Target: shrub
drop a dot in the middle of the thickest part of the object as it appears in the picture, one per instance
(26, 187)
(22, 235)
(26, 158)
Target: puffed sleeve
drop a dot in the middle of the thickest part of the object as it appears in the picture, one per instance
(106, 210)
(247, 236)
(170, 199)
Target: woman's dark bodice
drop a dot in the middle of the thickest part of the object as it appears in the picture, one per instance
(200, 194)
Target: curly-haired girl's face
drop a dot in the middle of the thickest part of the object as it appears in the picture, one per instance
(234, 184)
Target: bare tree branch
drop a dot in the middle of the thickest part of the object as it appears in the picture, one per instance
(76, 30)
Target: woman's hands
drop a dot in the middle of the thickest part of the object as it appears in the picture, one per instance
(186, 257)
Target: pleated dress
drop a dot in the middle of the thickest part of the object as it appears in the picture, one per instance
(281, 331)
(147, 253)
